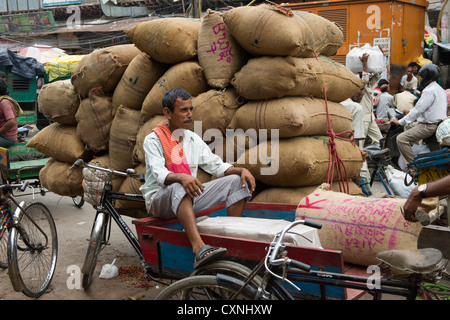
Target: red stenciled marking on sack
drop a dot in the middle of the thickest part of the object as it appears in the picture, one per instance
(222, 46)
(101, 61)
(309, 205)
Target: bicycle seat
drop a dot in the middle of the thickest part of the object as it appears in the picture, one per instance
(415, 260)
(377, 154)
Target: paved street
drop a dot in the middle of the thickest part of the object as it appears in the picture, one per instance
(73, 225)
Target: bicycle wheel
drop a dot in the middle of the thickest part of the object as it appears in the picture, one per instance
(228, 267)
(4, 232)
(78, 201)
(96, 242)
(200, 288)
(32, 251)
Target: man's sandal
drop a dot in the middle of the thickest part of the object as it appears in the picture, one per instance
(207, 254)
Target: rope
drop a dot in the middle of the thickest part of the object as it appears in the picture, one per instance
(335, 164)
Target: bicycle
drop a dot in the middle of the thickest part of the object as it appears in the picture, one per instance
(28, 242)
(403, 273)
(100, 233)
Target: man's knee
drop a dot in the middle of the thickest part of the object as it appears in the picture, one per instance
(402, 139)
(234, 181)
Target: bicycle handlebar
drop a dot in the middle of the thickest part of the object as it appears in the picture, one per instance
(276, 244)
(130, 172)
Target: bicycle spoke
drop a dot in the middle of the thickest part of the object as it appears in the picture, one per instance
(34, 250)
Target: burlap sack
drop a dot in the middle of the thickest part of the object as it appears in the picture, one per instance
(257, 29)
(185, 75)
(214, 110)
(358, 226)
(293, 116)
(276, 77)
(236, 142)
(58, 102)
(168, 40)
(145, 130)
(219, 54)
(326, 37)
(59, 178)
(94, 117)
(299, 161)
(60, 142)
(103, 67)
(124, 128)
(137, 80)
(131, 185)
(295, 195)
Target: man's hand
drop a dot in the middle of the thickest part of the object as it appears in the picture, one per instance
(192, 185)
(247, 178)
(411, 205)
(395, 121)
(364, 59)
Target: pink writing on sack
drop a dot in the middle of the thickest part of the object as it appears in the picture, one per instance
(221, 46)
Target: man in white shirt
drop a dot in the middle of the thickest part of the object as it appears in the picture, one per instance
(353, 105)
(173, 155)
(371, 128)
(409, 81)
(422, 121)
(384, 103)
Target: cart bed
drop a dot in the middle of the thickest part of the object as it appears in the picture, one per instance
(168, 252)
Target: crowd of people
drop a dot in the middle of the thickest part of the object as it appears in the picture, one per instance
(420, 105)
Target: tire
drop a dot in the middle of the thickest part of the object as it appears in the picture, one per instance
(31, 267)
(227, 267)
(199, 288)
(4, 235)
(78, 201)
(96, 243)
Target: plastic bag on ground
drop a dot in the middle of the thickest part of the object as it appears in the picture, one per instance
(109, 271)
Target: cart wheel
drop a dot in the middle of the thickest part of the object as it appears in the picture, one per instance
(78, 201)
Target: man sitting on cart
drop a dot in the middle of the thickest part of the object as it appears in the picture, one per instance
(173, 154)
(9, 109)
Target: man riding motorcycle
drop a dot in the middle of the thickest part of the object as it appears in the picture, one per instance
(422, 121)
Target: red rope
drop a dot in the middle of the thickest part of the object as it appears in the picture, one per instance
(334, 162)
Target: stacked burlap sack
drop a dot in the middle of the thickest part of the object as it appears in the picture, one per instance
(361, 227)
(251, 68)
(285, 83)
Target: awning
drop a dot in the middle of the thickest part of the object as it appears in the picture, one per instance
(101, 26)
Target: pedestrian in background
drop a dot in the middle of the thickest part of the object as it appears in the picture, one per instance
(9, 110)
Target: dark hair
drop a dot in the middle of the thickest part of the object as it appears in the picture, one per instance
(381, 82)
(2, 75)
(169, 98)
(414, 64)
(3, 88)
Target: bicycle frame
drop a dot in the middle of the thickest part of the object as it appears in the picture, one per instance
(107, 207)
(277, 263)
(13, 219)
(323, 279)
